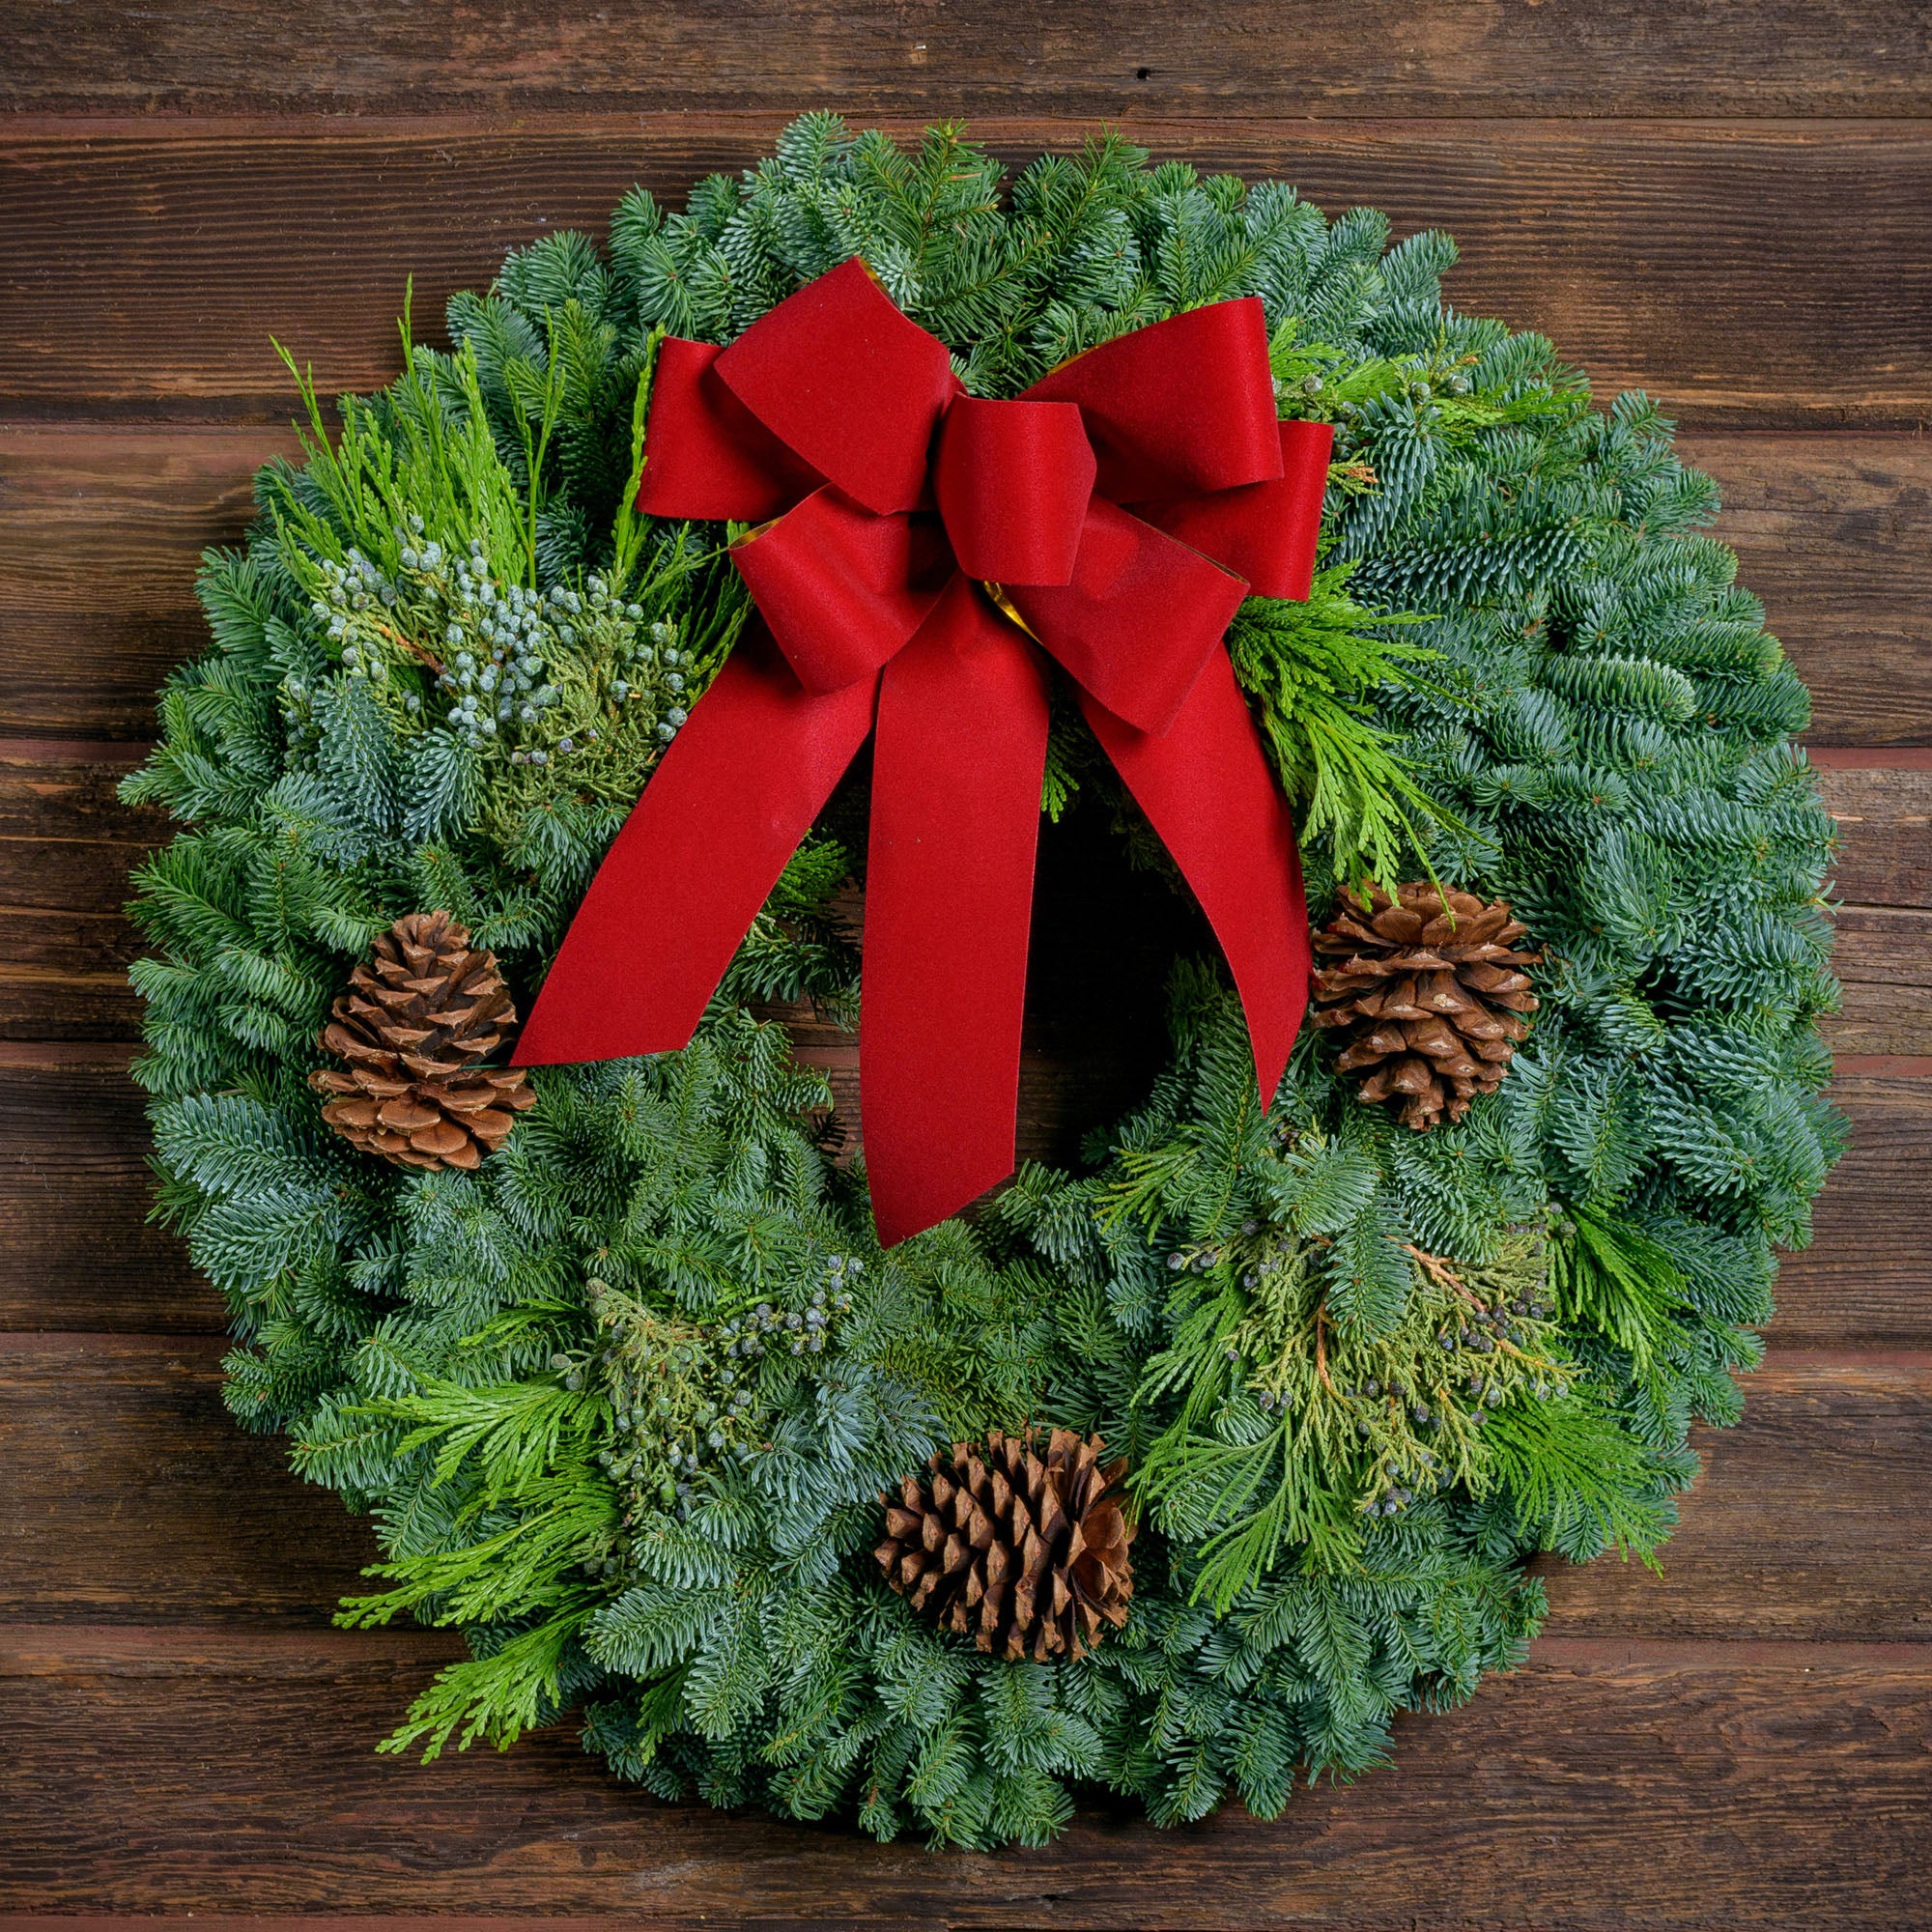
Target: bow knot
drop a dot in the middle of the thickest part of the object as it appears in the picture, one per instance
(1013, 482)
(1117, 512)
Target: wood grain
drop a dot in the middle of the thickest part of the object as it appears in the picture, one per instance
(176, 1772)
(76, 1189)
(1834, 533)
(1812, 1518)
(1884, 816)
(67, 846)
(1867, 1276)
(100, 535)
(136, 1500)
(101, 529)
(1883, 960)
(66, 849)
(1683, 257)
(74, 1132)
(977, 57)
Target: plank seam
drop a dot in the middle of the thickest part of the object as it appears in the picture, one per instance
(165, 126)
(74, 751)
(1870, 757)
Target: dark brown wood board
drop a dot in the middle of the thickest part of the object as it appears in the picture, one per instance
(1834, 532)
(205, 1778)
(1722, 201)
(1688, 258)
(931, 60)
(124, 1456)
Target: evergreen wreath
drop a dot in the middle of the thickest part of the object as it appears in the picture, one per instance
(624, 1394)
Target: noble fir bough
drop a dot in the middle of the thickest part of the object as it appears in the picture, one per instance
(621, 1399)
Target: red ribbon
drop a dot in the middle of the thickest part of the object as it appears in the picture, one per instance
(1118, 511)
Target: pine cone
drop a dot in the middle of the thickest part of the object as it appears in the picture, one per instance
(1026, 1553)
(1436, 1004)
(418, 1018)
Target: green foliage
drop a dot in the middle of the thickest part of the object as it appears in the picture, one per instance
(1615, 1279)
(1316, 1373)
(1311, 667)
(1287, 1387)
(497, 1695)
(620, 1404)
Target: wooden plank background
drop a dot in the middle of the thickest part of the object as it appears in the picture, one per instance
(1723, 203)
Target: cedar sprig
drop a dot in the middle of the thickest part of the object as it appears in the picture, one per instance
(1293, 1424)
(1313, 669)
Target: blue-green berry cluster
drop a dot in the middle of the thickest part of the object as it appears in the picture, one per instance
(794, 1332)
(449, 641)
(691, 1403)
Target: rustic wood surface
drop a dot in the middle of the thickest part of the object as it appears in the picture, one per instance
(1723, 202)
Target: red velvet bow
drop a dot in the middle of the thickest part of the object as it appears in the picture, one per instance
(1116, 514)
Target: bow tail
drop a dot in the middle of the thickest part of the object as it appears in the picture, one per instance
(699, 854)
(956, 772)
(1206, 786)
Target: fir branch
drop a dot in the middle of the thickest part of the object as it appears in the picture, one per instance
(1610, 1276)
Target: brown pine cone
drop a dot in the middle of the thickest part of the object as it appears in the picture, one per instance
(1434, 998)
(1025, 1553)
(421, 1016)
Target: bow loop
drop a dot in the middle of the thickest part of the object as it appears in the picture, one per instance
(719, 461)
(1138, 619)
(1013, 482)
(1181, 407)
(840, 589)
(845, 379)
(1260, 531)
